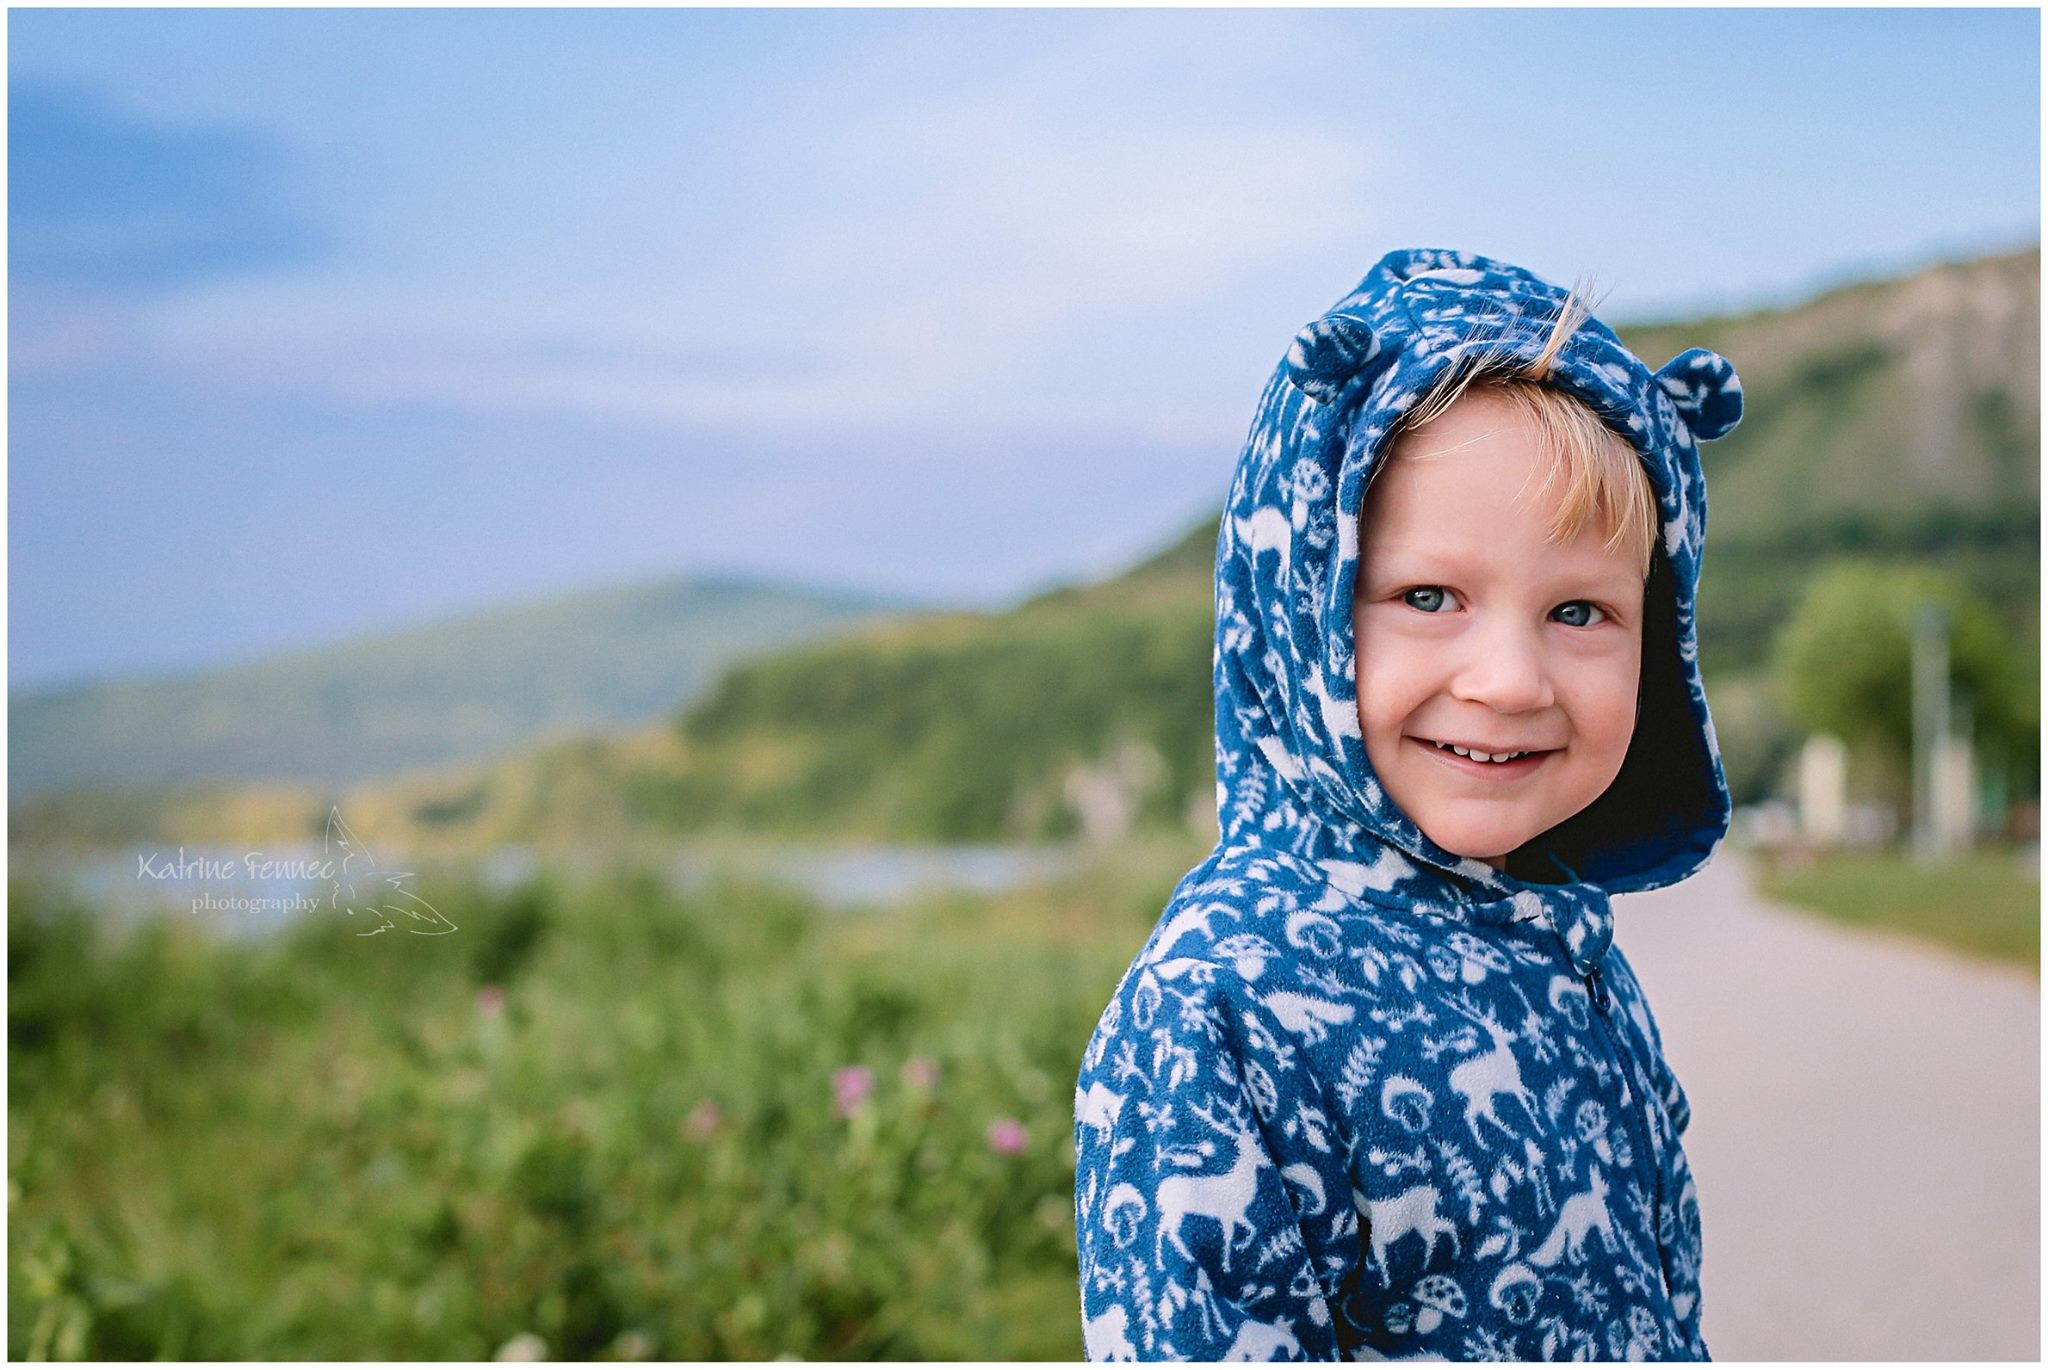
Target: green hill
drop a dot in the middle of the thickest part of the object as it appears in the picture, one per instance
(461, 689)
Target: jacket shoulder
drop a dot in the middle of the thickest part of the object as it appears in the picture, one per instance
(1193, 1170)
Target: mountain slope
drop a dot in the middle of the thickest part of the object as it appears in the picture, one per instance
(1892, 418)
(457, 690)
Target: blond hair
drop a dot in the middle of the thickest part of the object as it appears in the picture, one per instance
(1600, 473)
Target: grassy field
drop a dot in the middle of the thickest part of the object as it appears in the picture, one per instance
(603, 1120)
(627, 1123)
(1984, 904)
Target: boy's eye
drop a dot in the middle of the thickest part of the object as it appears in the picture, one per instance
(1581, 607)
(1431, 597)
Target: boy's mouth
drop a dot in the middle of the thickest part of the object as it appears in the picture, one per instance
(1477, 761)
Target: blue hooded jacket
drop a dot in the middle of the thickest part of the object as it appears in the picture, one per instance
(1359, 1097)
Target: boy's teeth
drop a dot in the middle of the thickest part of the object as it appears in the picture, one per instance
(1481, 756)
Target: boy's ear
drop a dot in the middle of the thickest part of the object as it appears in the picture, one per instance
(1706, 390)
(1328, 353)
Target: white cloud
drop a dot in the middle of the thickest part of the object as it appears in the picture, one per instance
(1019, 235)
(930, 258)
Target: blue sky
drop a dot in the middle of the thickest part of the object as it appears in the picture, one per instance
(327, 321)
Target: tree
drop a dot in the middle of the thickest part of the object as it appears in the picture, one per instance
(1843, 660)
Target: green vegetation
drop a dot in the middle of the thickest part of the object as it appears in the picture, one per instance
(597, 1113)
(1844, 663)
(972, 727)
(1984, 904)
(1751, 581)
(457, 690)
(967, 736)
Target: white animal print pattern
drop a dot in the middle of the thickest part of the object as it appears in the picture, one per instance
(1358, 1097)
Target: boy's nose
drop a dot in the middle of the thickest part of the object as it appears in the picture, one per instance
(1504, 670)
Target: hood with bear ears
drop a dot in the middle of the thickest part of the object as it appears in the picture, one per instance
(1292, 773)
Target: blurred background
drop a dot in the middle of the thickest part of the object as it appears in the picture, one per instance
(610, 626)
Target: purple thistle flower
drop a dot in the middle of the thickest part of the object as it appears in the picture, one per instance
(850, 1088)
(490, 1001)
(1007, 1137)
(921, 1072)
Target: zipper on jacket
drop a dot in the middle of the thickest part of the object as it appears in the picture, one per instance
(1596, 988)
(1631, 1084)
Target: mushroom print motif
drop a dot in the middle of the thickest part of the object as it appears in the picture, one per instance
(1439, 1297)
(1516, 1292)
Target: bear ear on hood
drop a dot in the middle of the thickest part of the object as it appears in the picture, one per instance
(1328, 353)
(1704, 387)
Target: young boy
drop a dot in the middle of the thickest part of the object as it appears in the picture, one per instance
(1379, 1085)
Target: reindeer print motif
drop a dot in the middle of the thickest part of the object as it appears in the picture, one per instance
(1489, 1074)
(1264, 1342)
(1266, 530)
(1333, 1005)
(1226, 1198)
(1389, 1220)
(1097, 1107)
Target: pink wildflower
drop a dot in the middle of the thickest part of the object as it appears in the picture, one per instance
(704, 1118)
(490, 1001)
(850, 1086)
(1007, 1137)
(921, 1072)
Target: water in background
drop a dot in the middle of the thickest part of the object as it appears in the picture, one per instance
(238, 903)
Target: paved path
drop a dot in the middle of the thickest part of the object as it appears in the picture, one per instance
(1865, 1131)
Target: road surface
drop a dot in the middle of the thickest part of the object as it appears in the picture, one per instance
(1865, 1128)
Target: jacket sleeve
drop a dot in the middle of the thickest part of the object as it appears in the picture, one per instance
(1187, 1215)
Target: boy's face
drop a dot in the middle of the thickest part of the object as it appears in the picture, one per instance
(1473, 629)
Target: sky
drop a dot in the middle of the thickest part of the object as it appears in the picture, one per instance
(327, 322)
